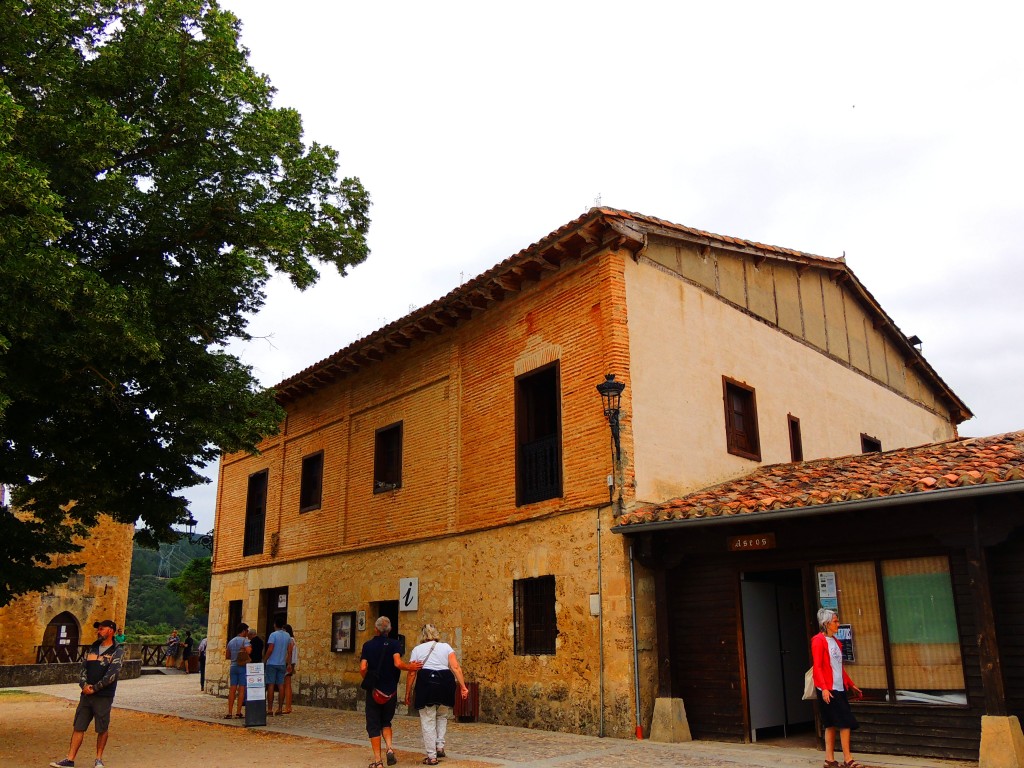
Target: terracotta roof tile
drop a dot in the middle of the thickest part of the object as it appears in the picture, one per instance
(925, 468)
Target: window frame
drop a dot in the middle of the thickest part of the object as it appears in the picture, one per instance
(534, 616)
(734, 443)
(528, 445)
(308, 479)
(387, 457)
(869, 444)
(253, 539)
(796, 440)
(876, 565)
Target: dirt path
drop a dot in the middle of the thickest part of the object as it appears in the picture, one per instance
(35, 729)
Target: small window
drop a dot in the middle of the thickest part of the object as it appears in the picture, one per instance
(387, 458)
(312, 482)
(796, 443)
(741, 420)
(538, 436)
(255, 514)
(534, 607)
(869, 444)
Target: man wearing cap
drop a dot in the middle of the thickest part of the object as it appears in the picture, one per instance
(98, 682)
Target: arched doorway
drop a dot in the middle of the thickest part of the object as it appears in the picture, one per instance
(61, 636)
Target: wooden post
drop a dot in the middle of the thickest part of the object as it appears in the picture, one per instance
(988, 650)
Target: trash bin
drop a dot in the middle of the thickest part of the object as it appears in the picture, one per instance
(193, 664)
(467, 710)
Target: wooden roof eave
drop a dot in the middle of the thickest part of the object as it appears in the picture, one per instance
(478, 294)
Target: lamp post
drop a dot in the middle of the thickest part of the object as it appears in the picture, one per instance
(611, 395)
(204, 539)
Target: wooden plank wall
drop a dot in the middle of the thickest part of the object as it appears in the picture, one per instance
(705, 650)
(1006, 565)
(707, 662)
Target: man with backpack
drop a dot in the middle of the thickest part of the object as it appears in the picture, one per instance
(237, 652)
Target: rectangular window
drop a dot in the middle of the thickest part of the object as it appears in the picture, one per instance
(255, 514)
(741, 420)
(905, 637)
(534, 607)
(538, 436)
(796, 443)
(234, 618)
(387, 458)
(869, 444)
(312, 482)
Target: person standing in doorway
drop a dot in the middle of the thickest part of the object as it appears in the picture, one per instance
(380, 666)
(279, 656)
(256, 654)
(98, 681)
(833, 686)
(237, 652)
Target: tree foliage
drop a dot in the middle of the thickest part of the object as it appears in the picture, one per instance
(192, 585)
(148, 190)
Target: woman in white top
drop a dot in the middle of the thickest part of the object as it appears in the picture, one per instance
(435, 689)
(292, 663)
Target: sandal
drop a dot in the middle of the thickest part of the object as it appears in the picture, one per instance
(239, 716)
(391, 757)
(278, 713)
(831, 764)
(228, 716)
(376, 764)
(430, 761)
(440, 754)
(852, 764)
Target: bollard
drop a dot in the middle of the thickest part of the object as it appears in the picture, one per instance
(255, 696)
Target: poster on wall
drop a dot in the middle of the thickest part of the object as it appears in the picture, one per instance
(343, 631)
(828, 595)
(845, 635)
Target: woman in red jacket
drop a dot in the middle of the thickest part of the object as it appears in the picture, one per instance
(832, 684)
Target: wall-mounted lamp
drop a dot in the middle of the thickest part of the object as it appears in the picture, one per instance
(611, 395)
(205, 539)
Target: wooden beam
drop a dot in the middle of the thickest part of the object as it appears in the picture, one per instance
(988, 648)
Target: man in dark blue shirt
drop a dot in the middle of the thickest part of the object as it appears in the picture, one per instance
(98, 681)
(380, 666)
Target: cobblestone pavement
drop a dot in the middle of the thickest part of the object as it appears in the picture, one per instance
(179, 695)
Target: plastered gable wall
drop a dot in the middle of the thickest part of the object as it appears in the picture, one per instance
(99, 591)
(685, 337)
(454, 523)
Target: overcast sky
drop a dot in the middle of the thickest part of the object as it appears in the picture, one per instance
(888, 131)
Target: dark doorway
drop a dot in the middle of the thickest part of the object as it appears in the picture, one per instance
(61, 634)
(389, 608)
(775, 646)
(275, 603)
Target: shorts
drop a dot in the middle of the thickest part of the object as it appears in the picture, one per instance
(379, 716)
(237, 675)
(93, 708)
(274, 674)
(837, 713)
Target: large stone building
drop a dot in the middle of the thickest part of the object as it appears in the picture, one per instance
(60, 619)
(453, 467)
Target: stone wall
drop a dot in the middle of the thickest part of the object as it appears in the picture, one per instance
(27, 675)
(98, 591)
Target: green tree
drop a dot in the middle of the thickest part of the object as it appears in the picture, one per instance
(192, 585)
(148, 190)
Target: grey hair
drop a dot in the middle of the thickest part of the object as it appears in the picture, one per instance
(383, 625)
(429, 632)
(825, 616)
